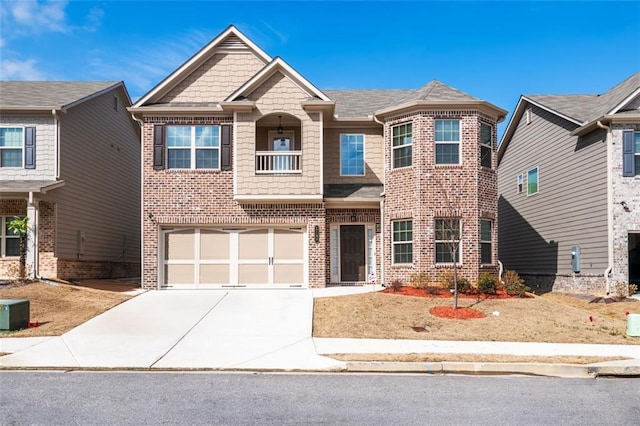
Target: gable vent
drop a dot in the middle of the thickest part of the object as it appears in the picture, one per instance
(232, 43)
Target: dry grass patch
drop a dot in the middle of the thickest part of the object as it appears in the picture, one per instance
(60, 308)
(473, 358)
(550, 318)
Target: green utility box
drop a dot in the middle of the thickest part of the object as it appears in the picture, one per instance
(14, 314)
(633, 325)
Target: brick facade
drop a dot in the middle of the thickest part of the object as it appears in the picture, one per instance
(425, 191)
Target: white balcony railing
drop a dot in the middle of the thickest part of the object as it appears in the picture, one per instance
(276, 162)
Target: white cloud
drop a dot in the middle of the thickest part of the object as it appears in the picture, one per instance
(37, 16)
(11, 69)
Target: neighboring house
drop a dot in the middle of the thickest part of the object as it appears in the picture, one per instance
(569, 176)
(70, 161)
(252, 176)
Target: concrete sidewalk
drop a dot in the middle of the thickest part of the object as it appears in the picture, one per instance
(267, 330)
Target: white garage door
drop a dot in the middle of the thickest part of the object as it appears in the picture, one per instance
(228, 257)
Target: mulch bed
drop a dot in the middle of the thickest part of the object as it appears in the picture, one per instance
(458, 313)
(441, 293)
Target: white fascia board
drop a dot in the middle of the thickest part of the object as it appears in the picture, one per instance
(198, 57)
(624, 102)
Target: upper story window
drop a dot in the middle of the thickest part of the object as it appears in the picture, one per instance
(11, 146)
(532, 181)
(193, 147)
(352, 155)
(519, 183)
(630, 153)
(447, 141)
(402, 145)
(486, 145)
(9, 241)
(402, 241)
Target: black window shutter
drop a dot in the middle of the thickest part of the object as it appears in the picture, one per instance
(158, 147)
(225, 161)
(29, 147)
(628, 157)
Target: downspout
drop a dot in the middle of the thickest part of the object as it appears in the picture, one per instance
(56, 137)
(384, 169)
(609, 210)
(142, 215)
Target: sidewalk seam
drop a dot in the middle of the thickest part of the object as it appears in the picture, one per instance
(188, 331)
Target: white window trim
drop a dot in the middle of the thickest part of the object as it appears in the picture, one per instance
(364, 163)
(21, 166)
(4, 236)
(394, 243)
(458, 142)
(537, 169)
(436, 242)
(489, 145)
(635, 154)
(489, 241)
(393, 148)
(192, 147)
(519, 183)
(334, 250)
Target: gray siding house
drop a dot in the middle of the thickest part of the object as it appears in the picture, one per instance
(569, 190)
(69, 160)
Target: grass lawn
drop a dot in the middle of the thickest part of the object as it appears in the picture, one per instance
(554, 318)
(60, 308)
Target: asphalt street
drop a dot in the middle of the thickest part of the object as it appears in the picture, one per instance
(141, 398)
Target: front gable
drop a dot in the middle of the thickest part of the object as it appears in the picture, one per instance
(211, 74)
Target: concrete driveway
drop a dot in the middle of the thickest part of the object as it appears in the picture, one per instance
(243, 329)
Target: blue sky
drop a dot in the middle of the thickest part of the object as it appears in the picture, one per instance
(492, 50)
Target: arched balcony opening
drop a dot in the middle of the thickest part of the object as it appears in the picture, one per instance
(278, 144)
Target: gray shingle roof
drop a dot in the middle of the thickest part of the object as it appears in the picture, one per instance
(586, 108)
(436, 91)
(356, 190)
(363, 103)
(48, 94)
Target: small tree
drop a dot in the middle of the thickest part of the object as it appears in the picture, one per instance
(20, 227)
(448, 232)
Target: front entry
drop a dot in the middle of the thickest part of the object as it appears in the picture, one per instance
(352, 253)
(634, 258)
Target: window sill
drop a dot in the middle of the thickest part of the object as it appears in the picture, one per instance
(191, 171)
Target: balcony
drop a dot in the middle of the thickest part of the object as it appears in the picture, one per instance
(278, 162)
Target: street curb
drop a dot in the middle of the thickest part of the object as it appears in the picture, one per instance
(494, 368)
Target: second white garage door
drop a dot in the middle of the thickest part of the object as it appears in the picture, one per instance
(231, 257)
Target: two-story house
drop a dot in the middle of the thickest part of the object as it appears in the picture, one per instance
(569, 190)
(70, 162)
(254, 177)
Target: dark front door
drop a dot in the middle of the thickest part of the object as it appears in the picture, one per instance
(352, 253)
(634, 258)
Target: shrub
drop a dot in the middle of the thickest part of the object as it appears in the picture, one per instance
(420, 280)
(445, 278)
(633, 288)
(396, 285)
(513, 284)
(487, 283)
(621, 289)
(464, 286)
(435, 291)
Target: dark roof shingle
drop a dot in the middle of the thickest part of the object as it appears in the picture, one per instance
(48, 94)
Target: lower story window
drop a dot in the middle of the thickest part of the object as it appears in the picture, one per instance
(403, 241)
(447, 240)
(485, 242)
(9, 240)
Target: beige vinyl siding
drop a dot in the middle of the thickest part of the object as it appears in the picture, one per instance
(100, 163)
(216, 79)
(45, 147)
(373, 155)
(278, 94)
(536, 232)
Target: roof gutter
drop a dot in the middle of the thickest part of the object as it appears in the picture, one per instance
(607, 271)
